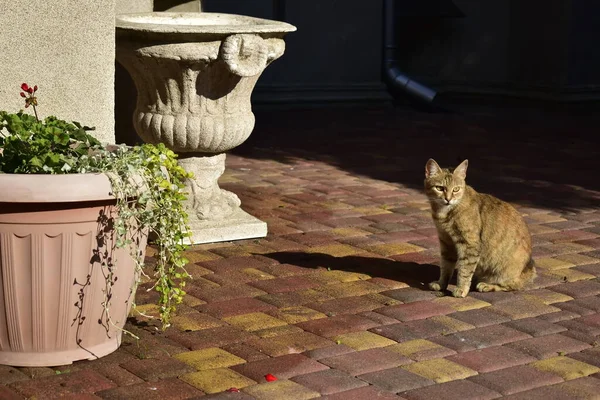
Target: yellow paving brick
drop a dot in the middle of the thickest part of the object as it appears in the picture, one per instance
(295, 315)
(257, 273)
(336, 276)
(195, 256)
(391, 249)
(363, 340)
(142, 310)
(371, 210)
(571, 275)
(333, 205)
(211, 358)
(452, 325)
(349, 232)
(552, 264)
(440, 370)
(281, 390)
(543, 218)
(565, 367)
(192, 301)
(569, 247)
(549, 297)
(216, 380)
(335, 250)
(197, 271)
(413, 347)
(277, 331)
(254, 321)
(187, 323)
(462, 304)
(578, 259)
(292, 343)
(349, 289)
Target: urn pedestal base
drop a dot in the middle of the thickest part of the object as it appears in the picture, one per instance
(237, 226)
(215, 214)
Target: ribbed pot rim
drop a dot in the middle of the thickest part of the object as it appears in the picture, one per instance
(193, 22)
(62, 188)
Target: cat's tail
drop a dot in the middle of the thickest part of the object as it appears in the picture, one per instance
(528, 274)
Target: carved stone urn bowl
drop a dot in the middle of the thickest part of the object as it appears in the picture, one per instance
(194, 74)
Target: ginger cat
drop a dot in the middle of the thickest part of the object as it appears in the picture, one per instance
(480, 235)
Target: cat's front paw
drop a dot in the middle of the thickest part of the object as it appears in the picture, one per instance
(458, 292)
(436, 286)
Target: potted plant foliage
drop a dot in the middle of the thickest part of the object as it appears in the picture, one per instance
(74, 219)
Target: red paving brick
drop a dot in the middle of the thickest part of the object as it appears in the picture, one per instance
(344, 210)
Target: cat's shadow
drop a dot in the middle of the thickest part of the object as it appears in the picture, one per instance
(413, 274)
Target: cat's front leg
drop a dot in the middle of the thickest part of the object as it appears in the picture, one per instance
(448, 254)
(468, 257)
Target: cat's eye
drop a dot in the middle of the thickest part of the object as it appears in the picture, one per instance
(439, 188)
(456, 189)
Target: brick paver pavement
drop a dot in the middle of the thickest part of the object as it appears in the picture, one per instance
(333, 302)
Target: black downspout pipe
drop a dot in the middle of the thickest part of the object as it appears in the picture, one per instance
(394, 78)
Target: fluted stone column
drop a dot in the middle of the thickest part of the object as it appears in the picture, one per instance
(194, 74)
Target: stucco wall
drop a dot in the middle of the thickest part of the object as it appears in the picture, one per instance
(67, 48)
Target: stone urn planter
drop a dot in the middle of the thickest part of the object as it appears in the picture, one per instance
(55, 234)
(194, 74)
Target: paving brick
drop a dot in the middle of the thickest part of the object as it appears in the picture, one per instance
(230, 308)
(233, 395)
(480, 338)
(245, 352)
(281, 389)
(172, 389)
(10, 375)
(535, 326)
(440, 370)
(547, 296)
(284, 284)
(194, 321)
(363, 340)
(74, 383)
(480, 317)
(362, 362)
(415, 310)
(215, 337)
(223, 293)
(396, 380)
(338, 325)
(363, 393)
(347, 305)
(579, 325)
(589, 356)
(350, 289)
(379, 319)
(578, 289)
(330, 351)
(254, 321)
(565, 367)
(292, 299)
(8, 394)
(329, 381)
(153, 369)
(572, 307)
(523, 307)
(420, 350)
(545, 392)
(409, 295)
(491, 358)
(558, 316)
(210, 358)
(493, 297)
(590, 302)
(548, 346)
(585, 388)
(283, 367)
(118, 375)
(279, 330)
(454, 390)
(216, 380)
(290, 343)
(515, 379)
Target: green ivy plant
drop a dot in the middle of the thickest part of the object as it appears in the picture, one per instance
(147, 182)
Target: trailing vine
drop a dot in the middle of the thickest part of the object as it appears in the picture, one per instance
(147, 182)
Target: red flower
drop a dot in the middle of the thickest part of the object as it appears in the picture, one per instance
(270, 378)
(26, 105)
(35, 88)
(30, 90)
(25, 87)
(23, 94)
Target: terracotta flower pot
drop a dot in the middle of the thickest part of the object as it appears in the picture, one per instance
(55, 257)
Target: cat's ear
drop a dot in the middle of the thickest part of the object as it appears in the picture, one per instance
(432, 168)
(461, 170)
